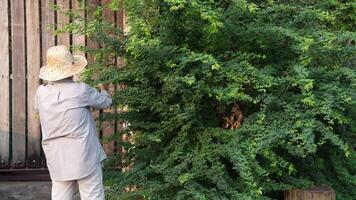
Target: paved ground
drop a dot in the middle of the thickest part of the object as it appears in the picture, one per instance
(26, 190)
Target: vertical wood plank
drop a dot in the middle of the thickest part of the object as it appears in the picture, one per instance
(4, 87)
(47, 37)
(47, 20)
(120, 124)
(126, 27)
(62, 20)
(120, 19)
(18, 83)
(33, 67)
(92, 44)
(78, 40)
(108, 14)
(109, 126)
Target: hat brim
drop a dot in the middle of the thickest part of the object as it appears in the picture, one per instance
(55, 73)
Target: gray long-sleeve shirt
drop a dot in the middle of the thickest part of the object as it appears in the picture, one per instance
(69, 138)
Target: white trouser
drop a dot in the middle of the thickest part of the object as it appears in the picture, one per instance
(90, 187)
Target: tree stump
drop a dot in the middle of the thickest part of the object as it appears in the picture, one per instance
(313, 193)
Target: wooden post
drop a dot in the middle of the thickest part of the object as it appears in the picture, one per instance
(313, 193)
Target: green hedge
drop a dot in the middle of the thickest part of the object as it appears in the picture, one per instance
(288, 65)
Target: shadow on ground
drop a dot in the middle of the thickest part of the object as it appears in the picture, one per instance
(27, 190)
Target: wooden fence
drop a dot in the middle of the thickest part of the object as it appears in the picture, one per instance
(24, 39)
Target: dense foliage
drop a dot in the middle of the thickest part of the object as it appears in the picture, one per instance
(287, 67)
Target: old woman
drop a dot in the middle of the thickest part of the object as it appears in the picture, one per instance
(72, 149)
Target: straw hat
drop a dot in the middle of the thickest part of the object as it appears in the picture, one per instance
(61, 64)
